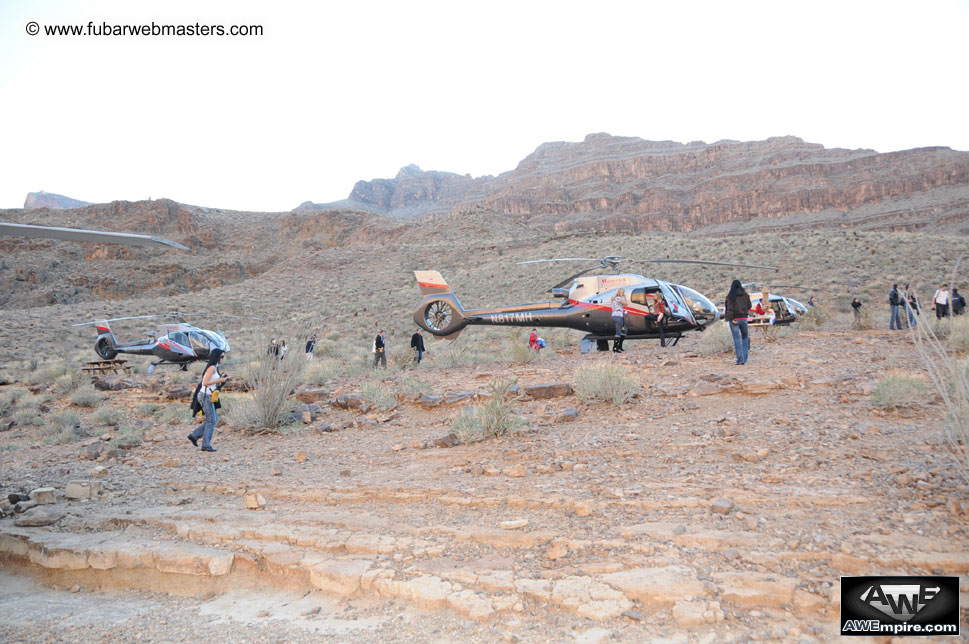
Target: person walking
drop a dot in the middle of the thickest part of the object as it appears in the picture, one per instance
(940, 302)
(379, 350)
(417, 344)
(894, 305)
(735, 309)
(958, 303)
(310, 347)
(856, 309)
(618, 315)
(205, 400)
(272, 350)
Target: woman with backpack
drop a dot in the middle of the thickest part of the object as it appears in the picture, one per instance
(206, 400)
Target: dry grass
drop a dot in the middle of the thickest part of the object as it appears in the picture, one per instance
(897, 390)
(609, 383)
(716, 340)
(492, 418)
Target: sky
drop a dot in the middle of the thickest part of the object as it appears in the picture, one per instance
(336, 92)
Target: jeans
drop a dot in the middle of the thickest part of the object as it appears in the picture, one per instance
(896, 321)
(741, 339)
(618, 322)
(206, 429)
(420, 354)
(911, 316)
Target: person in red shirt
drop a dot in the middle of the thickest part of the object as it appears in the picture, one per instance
(657, 311)
(533, 340)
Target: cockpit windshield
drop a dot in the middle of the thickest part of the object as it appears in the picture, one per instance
(703, 309)
(217, 339)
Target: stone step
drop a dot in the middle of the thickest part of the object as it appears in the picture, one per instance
(478, 589)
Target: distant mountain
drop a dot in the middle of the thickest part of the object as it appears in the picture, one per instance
(50, 200)
(625, 183)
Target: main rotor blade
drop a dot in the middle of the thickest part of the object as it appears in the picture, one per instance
(79, 235)
(563, 259)
(133, 317)
(572, 277)
(698, 261)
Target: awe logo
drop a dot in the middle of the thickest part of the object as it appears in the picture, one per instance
(901, 601)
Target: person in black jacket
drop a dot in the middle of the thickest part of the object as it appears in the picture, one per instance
(735, 309)
(958, 303)
(310, 347)
(379, 351)
(417, 344)
(894, 304)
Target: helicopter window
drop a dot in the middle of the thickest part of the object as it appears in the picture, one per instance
(638, 296)
(216, 339)
(198, 341)
(178, 338)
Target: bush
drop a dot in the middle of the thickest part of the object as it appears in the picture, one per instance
(897, 390)
(86, 397)
(149, 409)
(321, 371)
(608, 382)
(131, 435)
(9, 400)
(864, 321)
(272, 381)
(108, 416)
(716, 340)
(239, 410)
(495, 417)
(958, 339)
(815, 317)
(377, 395)
(27, 417)
(63, 428)
(68, 382)
(519, 352)
(413, 387)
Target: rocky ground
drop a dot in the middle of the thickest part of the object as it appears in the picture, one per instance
(722, 504)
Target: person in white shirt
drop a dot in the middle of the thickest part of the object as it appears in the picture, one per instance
(941, 302)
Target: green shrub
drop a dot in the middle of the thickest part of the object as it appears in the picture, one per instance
(608, 382)
(9, 400)
(86, 397)
(494, 417)
(108, 416)
(149, 409)
(815, 317)
(518, 351)
(63, 427)
(716, 339)
(131, 435)
(897, 390)
(958, 339)
(378, 395)
(321, 371)
(27, 417)
(413, 386)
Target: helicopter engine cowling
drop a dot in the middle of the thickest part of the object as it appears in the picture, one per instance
(441, 315)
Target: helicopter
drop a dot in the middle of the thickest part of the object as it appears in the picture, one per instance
(783, 310)
(585, 306)
(174, 343)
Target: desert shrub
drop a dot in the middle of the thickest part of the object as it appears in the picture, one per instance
(239, 410)
(958, 338)
(108, 416)
(815, 317)
(413, 387)
(494, 417)
(131, 435)
(64, 384)
(464, 354)
(86, 397)
(9, 400)
(62, 428)
(940, 328)
(716, 339)
(898, 390)
(177, 412)
(27, 417)
(149, 409)
(378, 395)
(864, 321)
(608, 382)
(321, 371)
(518, 351)
(272, 381)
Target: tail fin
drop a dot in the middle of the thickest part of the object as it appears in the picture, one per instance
(431, 283)
(103, 327)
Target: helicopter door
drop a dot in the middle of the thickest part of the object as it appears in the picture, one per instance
(675, 305)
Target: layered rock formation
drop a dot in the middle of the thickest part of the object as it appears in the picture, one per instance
(623, 183)
(50, 200)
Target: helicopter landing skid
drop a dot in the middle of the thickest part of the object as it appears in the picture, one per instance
(601, 343)
(182, 366)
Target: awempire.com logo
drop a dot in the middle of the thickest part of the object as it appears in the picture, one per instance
(899, 605)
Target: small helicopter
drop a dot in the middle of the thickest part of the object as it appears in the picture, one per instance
(586, 306)
(174, 343)
(784, 310)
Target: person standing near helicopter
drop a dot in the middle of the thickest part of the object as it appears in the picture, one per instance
(618, 315)
(206, 399)
(735, 309)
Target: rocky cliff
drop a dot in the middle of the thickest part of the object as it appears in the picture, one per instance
(50, 200)
(623, 183)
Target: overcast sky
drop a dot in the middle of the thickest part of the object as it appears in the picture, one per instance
(334, 92)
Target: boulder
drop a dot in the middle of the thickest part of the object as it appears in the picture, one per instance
(44, 495)
(312, 395)
(549, 390)
(82, 489)
(37, 517)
